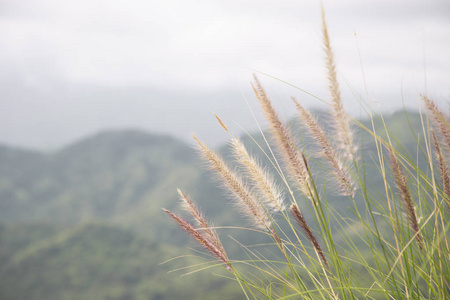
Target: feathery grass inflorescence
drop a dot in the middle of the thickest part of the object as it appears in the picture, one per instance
(201, 239)
(293, 158)
(224, 126)
(405, 195)
(440, 122)
(262, 180)
(246, 201)
(341, 174)
(341, 124)
(202, 223)
(295, 211)
(443, 170)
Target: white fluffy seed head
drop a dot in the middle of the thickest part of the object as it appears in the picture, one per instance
(262, 181)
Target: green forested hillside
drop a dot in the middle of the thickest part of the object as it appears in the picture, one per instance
(96, 261)
(103, 176)
(85, 222)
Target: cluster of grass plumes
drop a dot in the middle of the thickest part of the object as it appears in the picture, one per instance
(394, 246)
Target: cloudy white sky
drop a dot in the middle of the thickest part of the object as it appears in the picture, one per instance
(72, 68)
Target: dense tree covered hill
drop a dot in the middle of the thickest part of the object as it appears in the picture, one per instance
(111, 176)
(99, 261)
(16, 237)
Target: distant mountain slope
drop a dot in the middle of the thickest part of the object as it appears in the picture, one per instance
(100, 177)
(98, 261)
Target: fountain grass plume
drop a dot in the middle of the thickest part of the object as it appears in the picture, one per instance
(201, 239)
(443, 169)
(245, 200)
(440, 122)
(295, 211)
(285, 143)
(262, 181)
(405, 195)
(341, 174)
(202, 223)
(341, 124)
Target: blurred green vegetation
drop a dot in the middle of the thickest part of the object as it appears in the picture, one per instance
(85, 222)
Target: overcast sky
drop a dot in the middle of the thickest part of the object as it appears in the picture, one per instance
(73, 68)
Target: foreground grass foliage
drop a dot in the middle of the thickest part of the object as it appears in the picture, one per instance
(396, 245)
